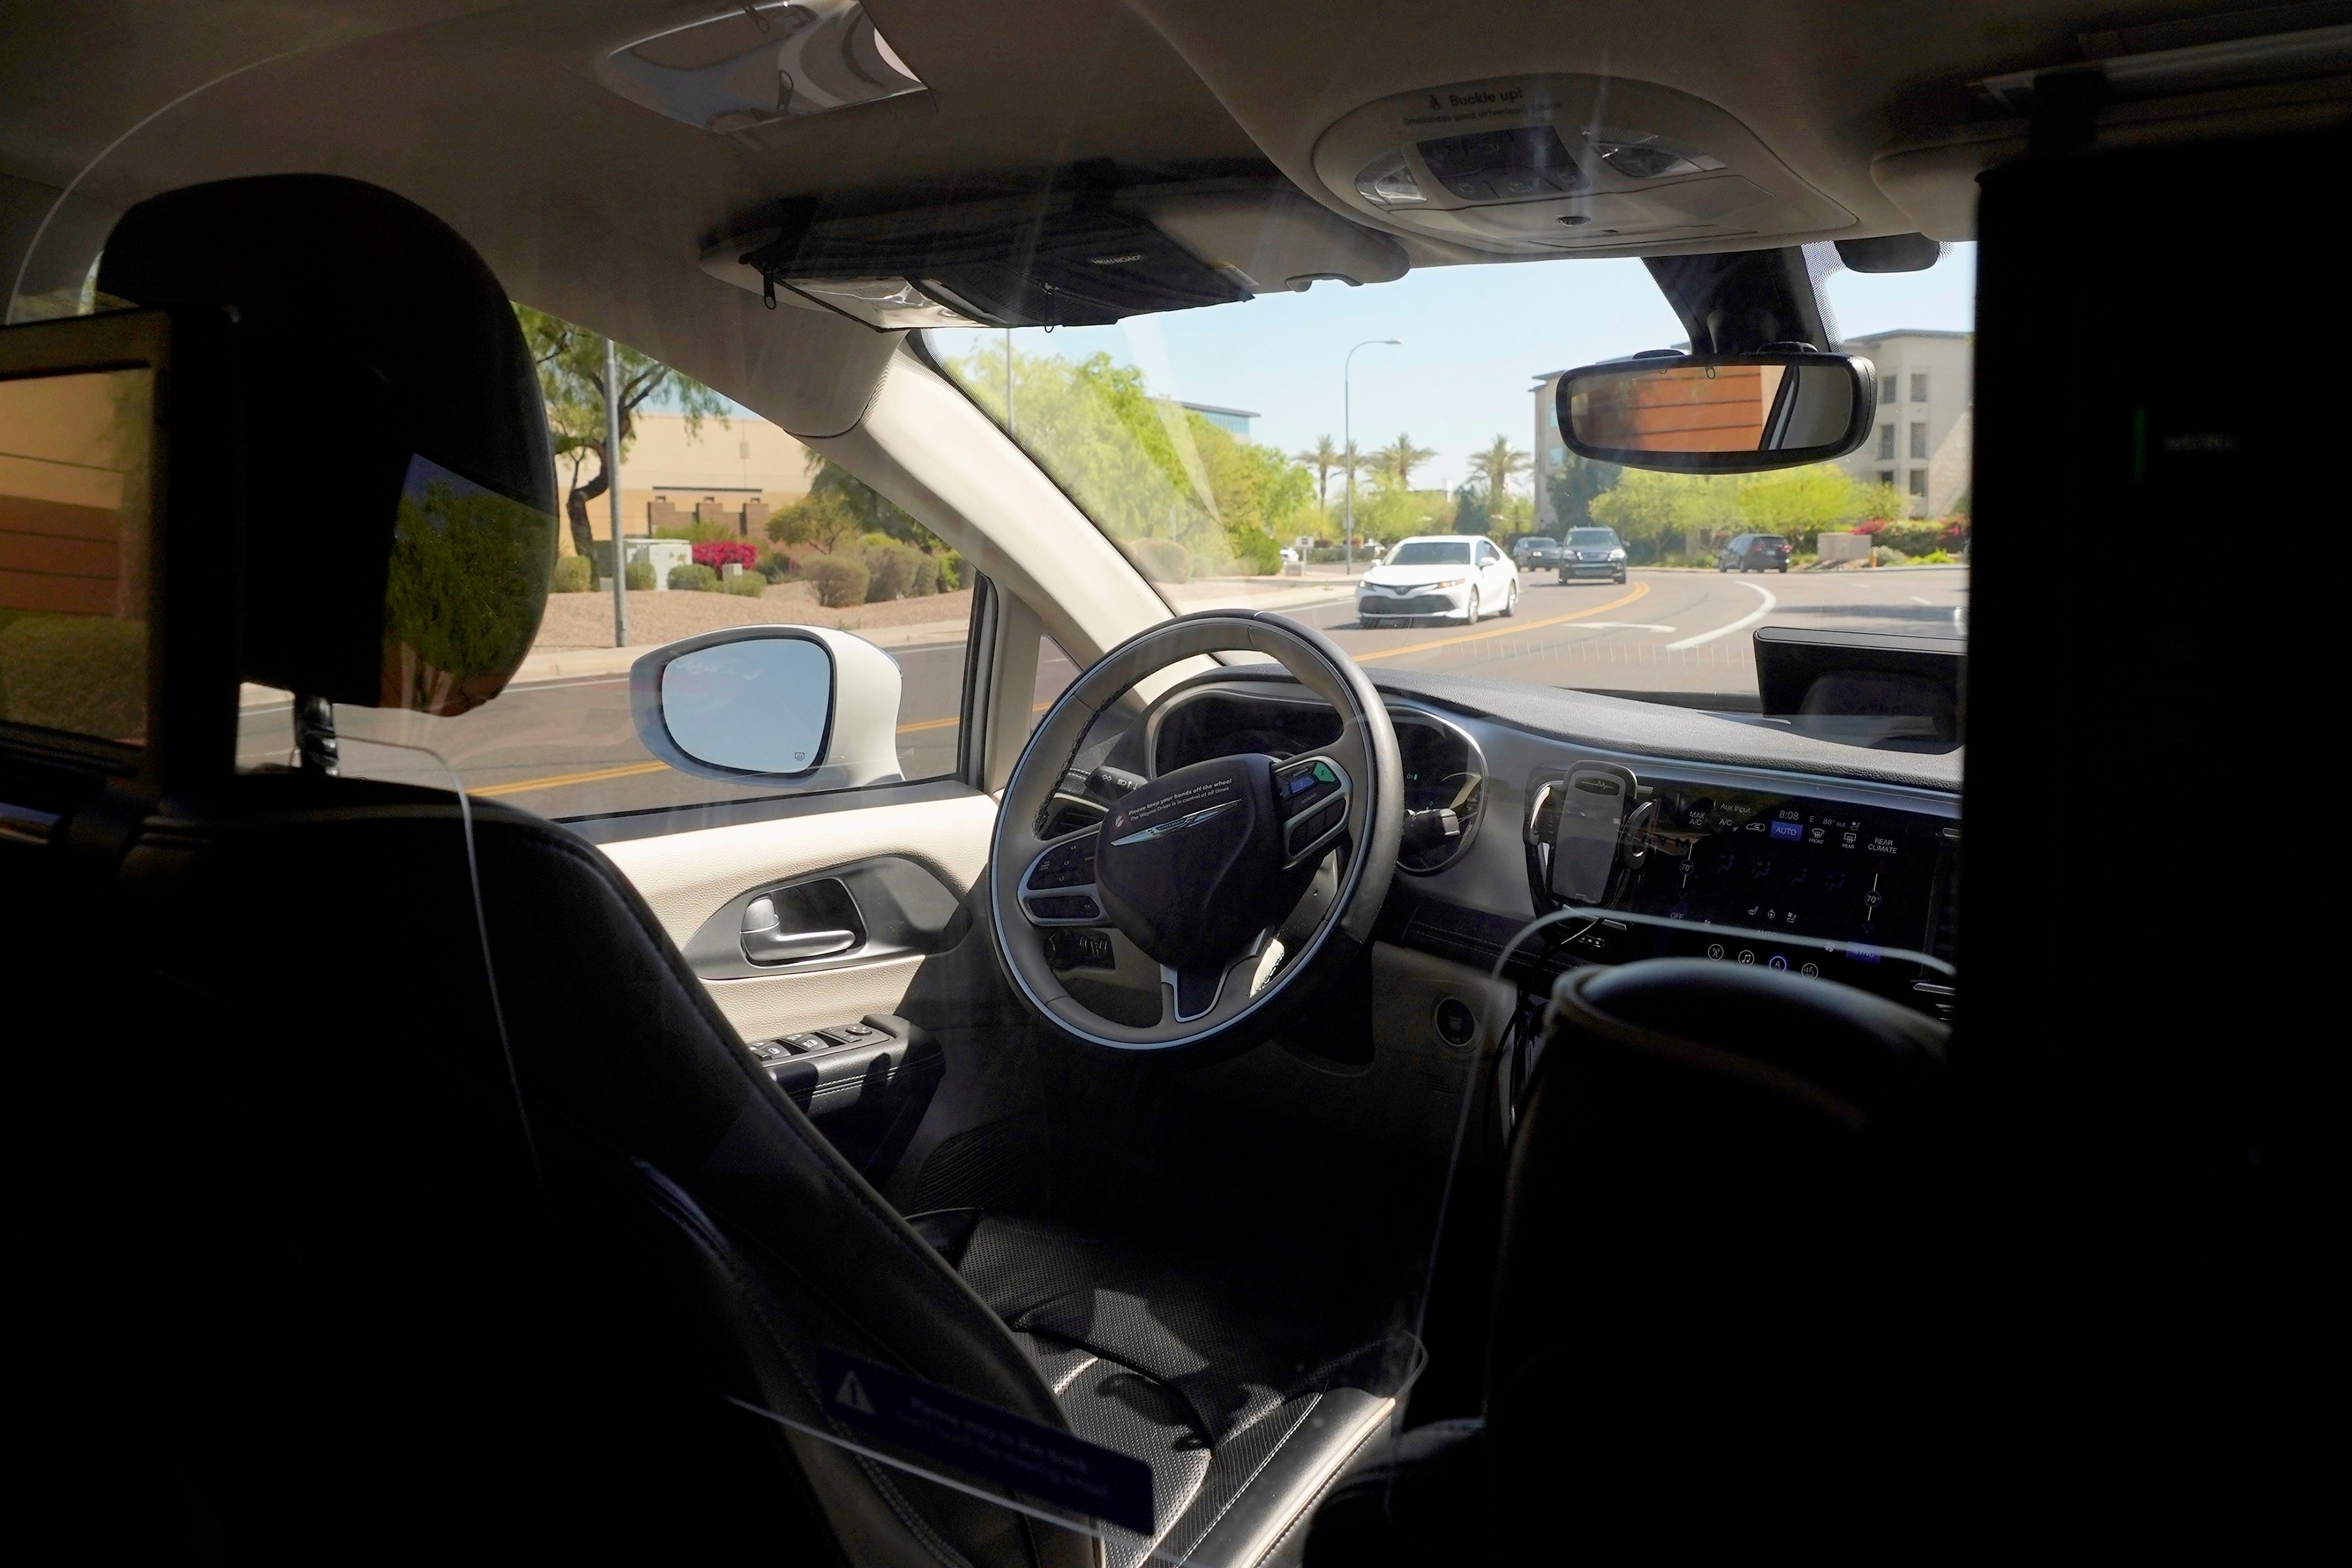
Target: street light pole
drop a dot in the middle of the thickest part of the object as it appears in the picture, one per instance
(613, 493)
(1347, 438)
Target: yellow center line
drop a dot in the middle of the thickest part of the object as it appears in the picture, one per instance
(1504, 630)
(553, 780)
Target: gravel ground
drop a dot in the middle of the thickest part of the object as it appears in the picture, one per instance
(585, 620)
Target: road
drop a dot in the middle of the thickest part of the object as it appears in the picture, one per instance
(567, 747)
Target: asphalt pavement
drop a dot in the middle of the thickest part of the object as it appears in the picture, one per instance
(567, 747)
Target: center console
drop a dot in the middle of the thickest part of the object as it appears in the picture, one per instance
(1672, 863)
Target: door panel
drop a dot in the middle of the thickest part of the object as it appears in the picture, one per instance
(690, 877)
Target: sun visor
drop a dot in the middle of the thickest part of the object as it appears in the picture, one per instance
(1083, 257)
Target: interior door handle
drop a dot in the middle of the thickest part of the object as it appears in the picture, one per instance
(765, 940)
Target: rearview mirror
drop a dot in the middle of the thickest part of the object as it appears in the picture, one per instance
(801, 705)
(1718, 414)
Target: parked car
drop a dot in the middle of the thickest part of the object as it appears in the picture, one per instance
(1538, 551)
(1592, 553)
(1754, 552)
(1438, 576)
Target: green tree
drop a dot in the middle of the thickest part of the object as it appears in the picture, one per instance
(1323, 457)
(1143, 468)
(1575, 484)
(571, 364)
(1393, 464)
(1800, 502)
(1499, 463)
(874, 511)
(1648, 508)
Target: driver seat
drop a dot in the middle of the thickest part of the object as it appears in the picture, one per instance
(526, 1251)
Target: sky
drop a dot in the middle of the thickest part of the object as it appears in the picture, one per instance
(1474, 340)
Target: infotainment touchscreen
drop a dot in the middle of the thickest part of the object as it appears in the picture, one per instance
(1772, 862)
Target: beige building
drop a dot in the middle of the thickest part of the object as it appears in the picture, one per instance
(736, 474)
(1920, 440)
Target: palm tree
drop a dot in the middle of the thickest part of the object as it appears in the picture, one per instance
(1498, 465)
(1323, 457)
(1393, 464)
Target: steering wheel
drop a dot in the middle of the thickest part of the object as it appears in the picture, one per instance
(1245, 879)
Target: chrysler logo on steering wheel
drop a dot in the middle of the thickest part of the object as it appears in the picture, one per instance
(1178, 825)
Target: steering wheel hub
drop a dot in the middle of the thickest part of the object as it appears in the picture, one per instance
(1191, 865)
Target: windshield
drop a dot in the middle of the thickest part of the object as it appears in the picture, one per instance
(1429, 553)
(1206, 442)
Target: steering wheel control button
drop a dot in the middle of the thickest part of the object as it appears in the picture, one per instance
(1457, 1025)
(1777, 961)
(1066, 865)
(1715, 950)
(1747, 956)
(1080, 950)
(1065, 907)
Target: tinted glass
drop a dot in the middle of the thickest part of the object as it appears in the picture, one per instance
(1591, 538)
(1429, 553)
(74, 519)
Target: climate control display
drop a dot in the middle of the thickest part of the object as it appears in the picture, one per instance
(1784, 863)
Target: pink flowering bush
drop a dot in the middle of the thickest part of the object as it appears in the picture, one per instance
(721, 554)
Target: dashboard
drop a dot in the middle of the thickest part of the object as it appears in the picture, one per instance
(1832, 868)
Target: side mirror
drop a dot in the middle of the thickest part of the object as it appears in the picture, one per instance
(1718, 414)
(764, 705)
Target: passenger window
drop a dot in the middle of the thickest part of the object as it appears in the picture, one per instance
(74, 466)
(725, 521)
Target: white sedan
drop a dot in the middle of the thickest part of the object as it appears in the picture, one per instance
(1439, 577)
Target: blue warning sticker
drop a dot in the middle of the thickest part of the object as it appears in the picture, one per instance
(1011, 1450)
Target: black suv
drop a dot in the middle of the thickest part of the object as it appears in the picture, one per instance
(1754, 552)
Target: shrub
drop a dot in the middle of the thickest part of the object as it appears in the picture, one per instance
(83, 673)
(1257, 554)
(1161, 560)
(952, 567)
(839, 580)
(776, 567)
(721, 554)
(744, 584)
(573, 575)
(891, 568)
(694, 578)
(925, 578)
(1890, 556)
(638, 576)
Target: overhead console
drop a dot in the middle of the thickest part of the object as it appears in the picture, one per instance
(1558, 164)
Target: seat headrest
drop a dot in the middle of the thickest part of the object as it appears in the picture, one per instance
(399, 501)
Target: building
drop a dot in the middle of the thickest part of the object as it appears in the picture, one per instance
(736, 474)
(1548, 454)
(1920, 440)
(1236, 420)
(1920, 437)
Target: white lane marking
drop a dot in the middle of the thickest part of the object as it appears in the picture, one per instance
(1625, 627)
(1748, 619)
(1918, 600)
